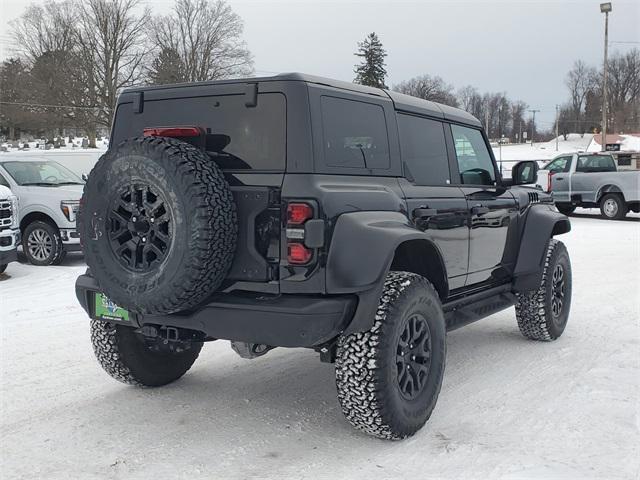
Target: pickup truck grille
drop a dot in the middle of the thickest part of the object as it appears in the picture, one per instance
(5, 214)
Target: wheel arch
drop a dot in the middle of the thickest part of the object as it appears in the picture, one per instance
(365, 246)
(35, 217)
(541, 224)
(608, 188)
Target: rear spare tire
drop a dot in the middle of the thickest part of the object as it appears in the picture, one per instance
(158, 225)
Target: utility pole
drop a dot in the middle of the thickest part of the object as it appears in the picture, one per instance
(557, 117)
(520, 134)
(486, 120)
(605, 8)
(533, 124)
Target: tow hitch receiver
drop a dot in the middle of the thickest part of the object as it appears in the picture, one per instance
(250, 350)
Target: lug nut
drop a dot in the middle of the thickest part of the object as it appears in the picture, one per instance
(144, 239)
(133, 219)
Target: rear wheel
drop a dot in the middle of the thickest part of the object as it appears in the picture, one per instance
(131, 358)
(389, 377)
(42, 244)
(613, 206)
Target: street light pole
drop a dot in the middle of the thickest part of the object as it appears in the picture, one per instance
(605, 8)
(557, 116)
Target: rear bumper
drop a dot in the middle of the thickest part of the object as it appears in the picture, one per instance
(279, 321)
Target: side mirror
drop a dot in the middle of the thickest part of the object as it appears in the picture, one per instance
(524, 173)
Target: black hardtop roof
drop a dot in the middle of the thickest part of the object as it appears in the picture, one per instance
(402, 102)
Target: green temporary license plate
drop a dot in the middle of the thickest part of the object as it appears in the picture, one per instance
(107, 310)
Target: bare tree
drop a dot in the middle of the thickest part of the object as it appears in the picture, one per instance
(580, 80)
(206, 35)
(111, 49)
(624, 90)
(429, 88)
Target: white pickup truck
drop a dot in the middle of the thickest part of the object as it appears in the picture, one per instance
(9, 233)
(49, 196)
(591, 180)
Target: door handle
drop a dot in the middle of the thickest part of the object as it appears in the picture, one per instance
(479, 210)
(559, 178)
(424, 213)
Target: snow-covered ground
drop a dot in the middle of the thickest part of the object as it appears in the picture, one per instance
(509, 408)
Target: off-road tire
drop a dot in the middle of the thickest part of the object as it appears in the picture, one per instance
(199, 212)
(620, 210)
(3, 267)
(565, 208)
(367, 375)
(534, 310)
(57, 251)
(123, 354)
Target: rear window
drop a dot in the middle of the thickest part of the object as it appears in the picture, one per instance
(238, 137)
(355, 134)
(595, 163)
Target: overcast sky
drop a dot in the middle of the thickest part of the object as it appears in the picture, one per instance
(521, 47)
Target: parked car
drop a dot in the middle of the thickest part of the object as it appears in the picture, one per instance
(591, 180)
(9, 233)
(297, 211)
(49, 195)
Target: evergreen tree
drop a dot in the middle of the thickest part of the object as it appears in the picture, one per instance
(372, 70)
(167, 67)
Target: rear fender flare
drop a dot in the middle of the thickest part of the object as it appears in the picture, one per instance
(362, 250)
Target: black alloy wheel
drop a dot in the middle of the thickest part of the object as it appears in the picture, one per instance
(140, 228)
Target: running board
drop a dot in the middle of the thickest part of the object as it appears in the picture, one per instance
(470, 309)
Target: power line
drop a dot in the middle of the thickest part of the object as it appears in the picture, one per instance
(46, 106)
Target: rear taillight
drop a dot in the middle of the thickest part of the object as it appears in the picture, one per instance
(298, 213)
(180, 132)
(549, 182)
(298, 254)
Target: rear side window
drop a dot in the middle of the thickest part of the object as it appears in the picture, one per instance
(595, 163)
(423, 149)
(238, 137)
(354, 134)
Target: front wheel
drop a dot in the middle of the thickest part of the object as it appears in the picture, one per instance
(132, 359)
(613, 207)
(565, 208)
(389, 377)
(42, 244)
(543, 313)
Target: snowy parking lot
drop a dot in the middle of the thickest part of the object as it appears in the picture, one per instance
(509, 407)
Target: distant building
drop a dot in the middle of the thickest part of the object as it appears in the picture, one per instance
(625, 149)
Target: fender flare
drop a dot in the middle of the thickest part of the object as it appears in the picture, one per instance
(368, 243)
(542, 222)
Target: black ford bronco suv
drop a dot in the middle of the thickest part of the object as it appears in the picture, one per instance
(297, 211)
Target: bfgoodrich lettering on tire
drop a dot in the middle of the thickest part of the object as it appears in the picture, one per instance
(158, 224)
(543, 313)
(389, 377)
